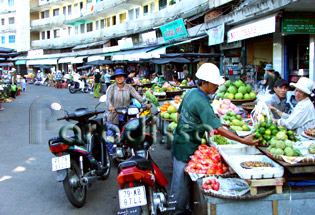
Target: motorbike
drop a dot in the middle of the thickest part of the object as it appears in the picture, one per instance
(142, 184)
(83, 157)
(75, 86)
(121, 150)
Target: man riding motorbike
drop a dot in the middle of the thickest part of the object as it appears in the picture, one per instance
(119, 95)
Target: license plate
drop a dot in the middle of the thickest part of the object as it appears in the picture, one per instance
(132, 197)
(62, 162)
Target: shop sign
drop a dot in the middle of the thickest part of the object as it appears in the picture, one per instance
(216, 35)
(174, 30)
(298, 23)
(149, 38)
(36, 53)
(233, 45)
(254, 29)
(125, 43)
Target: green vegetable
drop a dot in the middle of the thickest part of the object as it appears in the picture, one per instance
(221, 140)
(281, 135)
(288, 151)
(280, 145)
(279, 152)
(152, 98)
(311, 148)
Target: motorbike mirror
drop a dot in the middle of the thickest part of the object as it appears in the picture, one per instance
(103, 98)
(55, 106)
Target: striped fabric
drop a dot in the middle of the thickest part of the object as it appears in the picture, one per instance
(117, 97)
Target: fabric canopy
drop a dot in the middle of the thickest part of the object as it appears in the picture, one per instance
(84, 67)
(171, 60)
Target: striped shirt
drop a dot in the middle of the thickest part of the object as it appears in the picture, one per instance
(117, 97)
(301, 118)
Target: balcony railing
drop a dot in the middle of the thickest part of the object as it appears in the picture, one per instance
(125, 28)
(8, 28)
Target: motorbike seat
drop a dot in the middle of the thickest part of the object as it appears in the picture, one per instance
(138, 161)
(58, 139)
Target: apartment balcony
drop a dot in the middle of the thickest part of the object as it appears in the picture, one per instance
(66, 41)
(36, 5)
(8, 28)
(39, 24)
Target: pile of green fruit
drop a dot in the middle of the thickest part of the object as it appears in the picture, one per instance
(221, 140)
(266, 131)
(236, 90)
(235, 121)
(281, 145)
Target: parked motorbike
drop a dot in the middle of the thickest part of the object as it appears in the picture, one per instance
(75, 86)
(81, 158)
(142, 184)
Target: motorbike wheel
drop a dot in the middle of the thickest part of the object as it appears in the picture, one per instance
(72, 89)
(108, 164)
(86, 89)
(76, 193)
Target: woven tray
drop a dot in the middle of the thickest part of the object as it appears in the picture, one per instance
(261, 193)
(277, 157)
(241, 101)
(188, 87)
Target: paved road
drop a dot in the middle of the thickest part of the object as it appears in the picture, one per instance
(27, 184)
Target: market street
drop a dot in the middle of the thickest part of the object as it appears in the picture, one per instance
(27, 184)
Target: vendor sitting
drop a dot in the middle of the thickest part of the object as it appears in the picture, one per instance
(155, 78)
(190, 81)
(130, 79)
(278, 100)
(303, 114)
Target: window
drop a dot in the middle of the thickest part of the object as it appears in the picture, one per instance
(81, 5)
(107, 22)
(162, 4)
(114, 20)
(131, 14)
(89, 27)
(69, 10)
(97, 25)
(44, 14)
(1, 1)
(64, 10)
(56, 33)
(11, 38)
(102, 23)
(145, 10)
(43, 35)
(137, 12)
(152, 7)
(11, 4)
(48, 35)
(2, 39)
(82, 28)
(69, 31)
(2, 21)
(56, 12)
(122, 17)
(76, 29)
(88, 1)
(11, 20)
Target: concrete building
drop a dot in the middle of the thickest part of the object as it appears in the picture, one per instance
(68, 33)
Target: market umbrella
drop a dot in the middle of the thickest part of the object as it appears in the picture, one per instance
(99, 62)
(171, 60)
(84, 67)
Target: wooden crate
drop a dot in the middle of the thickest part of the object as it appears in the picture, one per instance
(256, 183)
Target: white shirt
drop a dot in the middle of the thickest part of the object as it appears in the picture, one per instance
(301, 118)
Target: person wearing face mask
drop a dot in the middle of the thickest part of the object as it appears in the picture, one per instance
(194, 114)
(302, 116)
(278, 99)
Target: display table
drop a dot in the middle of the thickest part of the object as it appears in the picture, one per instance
(289, 202)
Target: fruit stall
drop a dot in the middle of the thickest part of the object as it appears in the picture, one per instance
(233, 178)
(226, 172)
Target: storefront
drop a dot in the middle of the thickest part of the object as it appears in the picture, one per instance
(298, 29)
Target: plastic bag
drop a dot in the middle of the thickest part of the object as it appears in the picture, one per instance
(13, 87)
(261, 112)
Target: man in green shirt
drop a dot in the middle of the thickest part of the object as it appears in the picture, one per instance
(195, 116)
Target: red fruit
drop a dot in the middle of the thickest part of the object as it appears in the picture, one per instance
(219, 171)
(211, 172)
(208, 182)
(216, 186)
(213, 181)
(216, 132)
